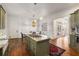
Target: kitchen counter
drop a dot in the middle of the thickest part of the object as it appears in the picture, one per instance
(3, 40)
(39, 38)
(3, 43)
(38, 44)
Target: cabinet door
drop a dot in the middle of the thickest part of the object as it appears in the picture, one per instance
(42, 48)
(72, 41)
(72, 20)
(0, 19)
(32, 46)
(28, 43)
(77, 17)
(3, 19)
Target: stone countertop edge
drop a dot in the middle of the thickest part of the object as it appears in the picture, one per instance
(45, 39)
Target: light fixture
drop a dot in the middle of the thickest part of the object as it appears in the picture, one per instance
(34, 20)
(41, 18)
(34, 23)
(35, 3)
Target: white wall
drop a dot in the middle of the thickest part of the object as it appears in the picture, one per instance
(65, 26)
(23, 24)
(47, 20)
(18, 25)
(65, 13)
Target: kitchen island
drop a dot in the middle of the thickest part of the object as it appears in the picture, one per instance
(38, 44)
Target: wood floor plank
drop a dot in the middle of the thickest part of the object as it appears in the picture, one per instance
(17, 48)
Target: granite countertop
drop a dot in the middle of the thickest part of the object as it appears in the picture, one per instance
(40, 38)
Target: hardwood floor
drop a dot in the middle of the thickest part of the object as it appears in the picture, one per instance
(63, 43)
(17, 47)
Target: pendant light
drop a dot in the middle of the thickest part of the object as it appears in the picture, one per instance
(34, 20)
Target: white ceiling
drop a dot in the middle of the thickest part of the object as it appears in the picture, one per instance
(40, 9)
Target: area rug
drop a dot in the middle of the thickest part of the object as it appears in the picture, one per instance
(55, 50)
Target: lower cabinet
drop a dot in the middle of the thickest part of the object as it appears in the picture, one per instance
(42, 48)
(73, 43)
(32, 47)
(38, 48)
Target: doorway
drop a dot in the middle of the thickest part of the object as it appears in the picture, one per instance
(61, 27)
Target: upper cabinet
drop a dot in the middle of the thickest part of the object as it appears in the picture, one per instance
(2, 17)
(74, 22)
